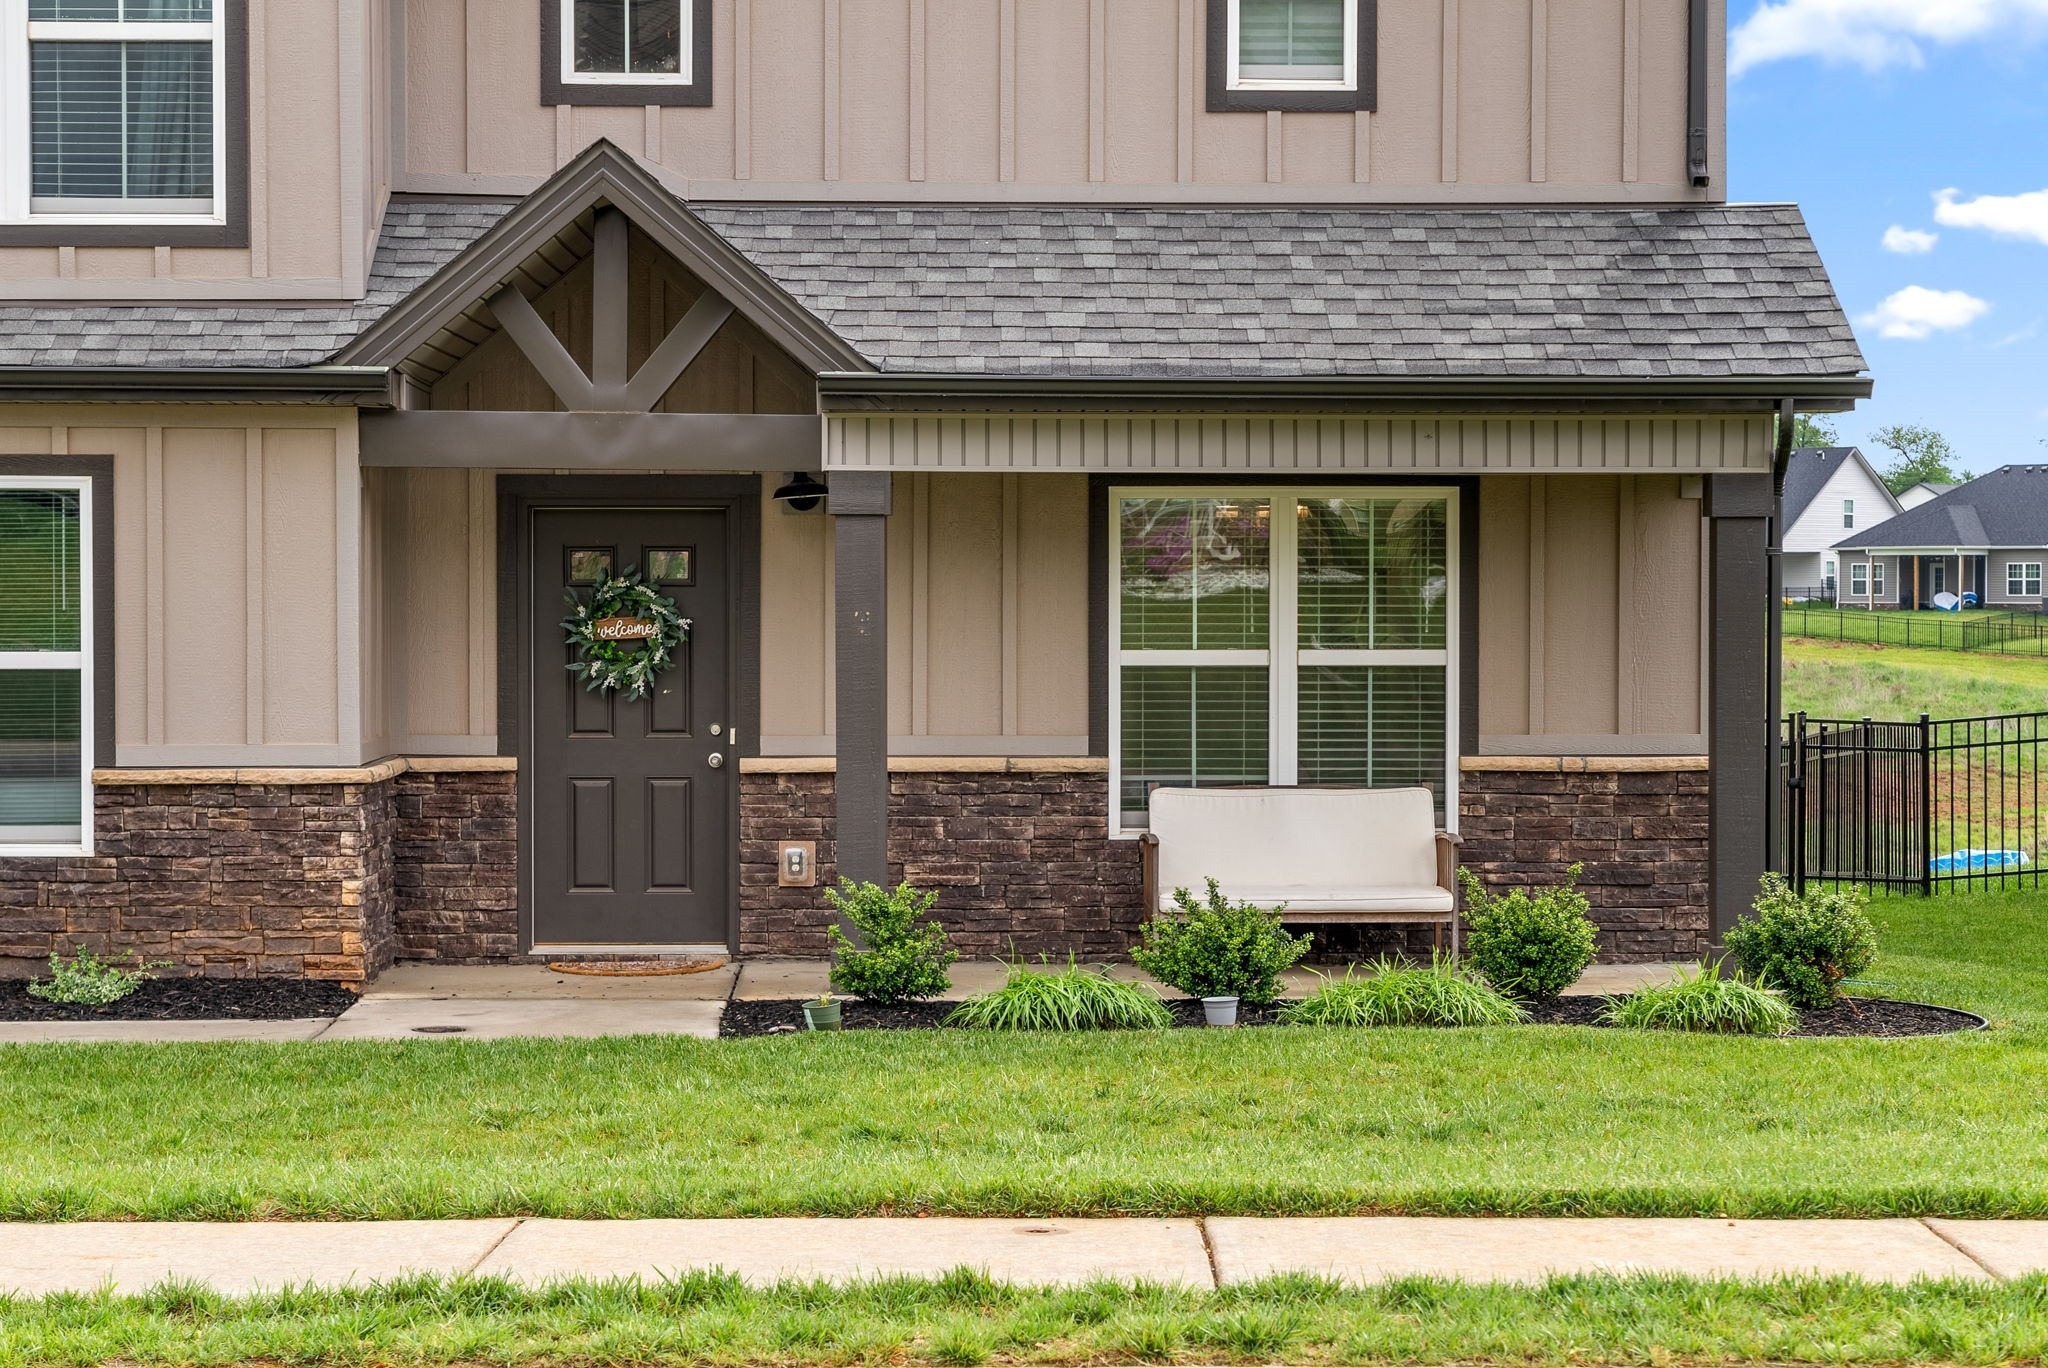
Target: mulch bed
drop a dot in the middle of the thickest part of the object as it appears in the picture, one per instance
(190, 999)
(1860, 1017)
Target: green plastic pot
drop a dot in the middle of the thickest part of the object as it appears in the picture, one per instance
(823, 1016)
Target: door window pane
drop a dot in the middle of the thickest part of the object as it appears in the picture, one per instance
(1189, 726)
(1376, 725)
(121, 125)
(39, 549)
(1373, 574)
(42, 788)
(1196, 574)
(1291, 40)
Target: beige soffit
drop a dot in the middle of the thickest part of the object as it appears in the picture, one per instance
(357, 774)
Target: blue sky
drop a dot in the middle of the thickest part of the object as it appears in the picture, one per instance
(1861, 111)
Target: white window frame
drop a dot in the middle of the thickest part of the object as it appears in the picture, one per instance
(1859, 579)
(1848, 513)
(80, 660)
(1876, 577)
(16, 155)
(1283, 665)
(1232, 49)
(681, 76)
(2021, 573)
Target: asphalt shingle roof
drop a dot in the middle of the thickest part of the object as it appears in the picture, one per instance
(1682, 291)
(2007, 508)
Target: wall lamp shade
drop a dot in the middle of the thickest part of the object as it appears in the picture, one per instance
(803, 492)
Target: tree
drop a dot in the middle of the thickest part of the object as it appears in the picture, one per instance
(1809, 431)
(1919, 453)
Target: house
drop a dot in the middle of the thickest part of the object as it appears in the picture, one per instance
(1988, 537)
(1027, 406)
(1922, 492)
(1829, 493)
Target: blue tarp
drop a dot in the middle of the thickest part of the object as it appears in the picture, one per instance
(1978, 861)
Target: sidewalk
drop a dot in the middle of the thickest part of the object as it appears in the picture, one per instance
(240, 1258)
(491, 1002)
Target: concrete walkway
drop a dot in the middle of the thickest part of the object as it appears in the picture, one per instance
(132, 1256)
(492, 1002)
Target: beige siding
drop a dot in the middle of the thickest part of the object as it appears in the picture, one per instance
(1507, 100)
(1194, 445)
(235, 577)
(435, 670)
(1590, 608)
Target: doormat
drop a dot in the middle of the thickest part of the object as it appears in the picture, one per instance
(642, 968)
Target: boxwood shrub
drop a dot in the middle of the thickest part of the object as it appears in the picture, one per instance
(1805, 944)
(1529, 945)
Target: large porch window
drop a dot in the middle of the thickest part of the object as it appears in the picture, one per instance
(1281, 636)
(45, 667)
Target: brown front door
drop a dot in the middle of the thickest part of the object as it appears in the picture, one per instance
(633, 803)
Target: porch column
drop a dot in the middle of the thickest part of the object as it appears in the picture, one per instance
(1741, 733)
(860, 607)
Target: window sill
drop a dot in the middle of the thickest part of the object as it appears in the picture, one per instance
(100, 231)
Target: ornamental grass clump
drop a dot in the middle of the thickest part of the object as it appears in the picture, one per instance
(90, 981)
(1219, 948)
(1069, 999)
(1530, 946)
(1804, 944)
(1392, 994)
(901, 956)
(1705, 1001)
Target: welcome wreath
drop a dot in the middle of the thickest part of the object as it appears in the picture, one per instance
(623, 636)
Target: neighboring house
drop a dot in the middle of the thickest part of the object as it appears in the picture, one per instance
(1988, 537)
(1830, 492)
(1208, 392)
(1922, 492)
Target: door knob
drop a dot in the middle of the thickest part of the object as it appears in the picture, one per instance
(717, 760)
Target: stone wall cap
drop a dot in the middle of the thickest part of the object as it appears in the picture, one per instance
(332, 774)
(1582, 764)
(935, 764)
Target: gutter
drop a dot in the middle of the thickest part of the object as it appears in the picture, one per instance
(846, 390)
(1696, 94)
(351, 386)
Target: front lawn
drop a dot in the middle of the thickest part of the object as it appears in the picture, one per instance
(1515, 1119)
(1853, 680)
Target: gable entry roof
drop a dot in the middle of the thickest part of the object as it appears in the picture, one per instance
(1676, 294)
(2007, 508)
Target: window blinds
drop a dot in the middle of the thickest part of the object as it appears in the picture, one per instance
(42, 785)
(1291, 40)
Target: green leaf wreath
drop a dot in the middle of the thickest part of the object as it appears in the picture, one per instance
(630, 666)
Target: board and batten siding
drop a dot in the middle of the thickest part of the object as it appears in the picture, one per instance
(235, 577)
(1306, 446)
(1514, 100)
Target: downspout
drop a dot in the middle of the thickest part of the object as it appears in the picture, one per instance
(1696, 94)
(1774, 650)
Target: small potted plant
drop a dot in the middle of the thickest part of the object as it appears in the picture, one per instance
(1220, 951)
(823, 1013)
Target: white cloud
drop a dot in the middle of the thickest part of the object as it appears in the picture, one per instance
(2020, 216)
(1917, 312)
(1874, 34)
(1909, 241)
(2014, 338)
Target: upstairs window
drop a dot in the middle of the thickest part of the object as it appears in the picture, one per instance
(1291, 54)
(1848, 512)
(113, 112)
(626, 51)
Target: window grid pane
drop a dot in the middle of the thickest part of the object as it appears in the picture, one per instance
(628, 37)
(1381, 726)
(1291, 40)
(1190, 727)
(1196, 574)
(121, 121)
(42, 787)
(39, 570)
(1373, 574)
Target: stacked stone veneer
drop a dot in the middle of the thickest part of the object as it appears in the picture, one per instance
(1018, 852)
(1639, 826)
(456, 867)
(228, 879)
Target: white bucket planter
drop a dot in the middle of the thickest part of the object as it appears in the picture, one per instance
(1220, 1011)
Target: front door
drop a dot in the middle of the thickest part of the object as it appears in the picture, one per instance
(632, 802)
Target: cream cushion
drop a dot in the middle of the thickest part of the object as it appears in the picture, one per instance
(1317, 850)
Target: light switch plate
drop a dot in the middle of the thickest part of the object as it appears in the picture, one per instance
(785, 876)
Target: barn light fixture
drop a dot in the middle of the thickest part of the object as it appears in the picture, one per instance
(803, 492)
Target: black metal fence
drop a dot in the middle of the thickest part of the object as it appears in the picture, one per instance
(1917, 806)
(1996, 631)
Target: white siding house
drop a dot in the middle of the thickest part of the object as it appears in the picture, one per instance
(1830, 493)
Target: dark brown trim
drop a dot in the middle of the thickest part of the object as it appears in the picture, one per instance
(100, 470)
(358, 386)
(235, 231)
(555, 91)
(860, 505)
(1223, 100)
(519, 498)
(1098, 578)
(1739, 726)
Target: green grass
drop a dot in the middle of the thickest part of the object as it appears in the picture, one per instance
(1706, 1001)
(965, 1319)
(1513, 1119)
(1914, 629)
(1825, 679)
